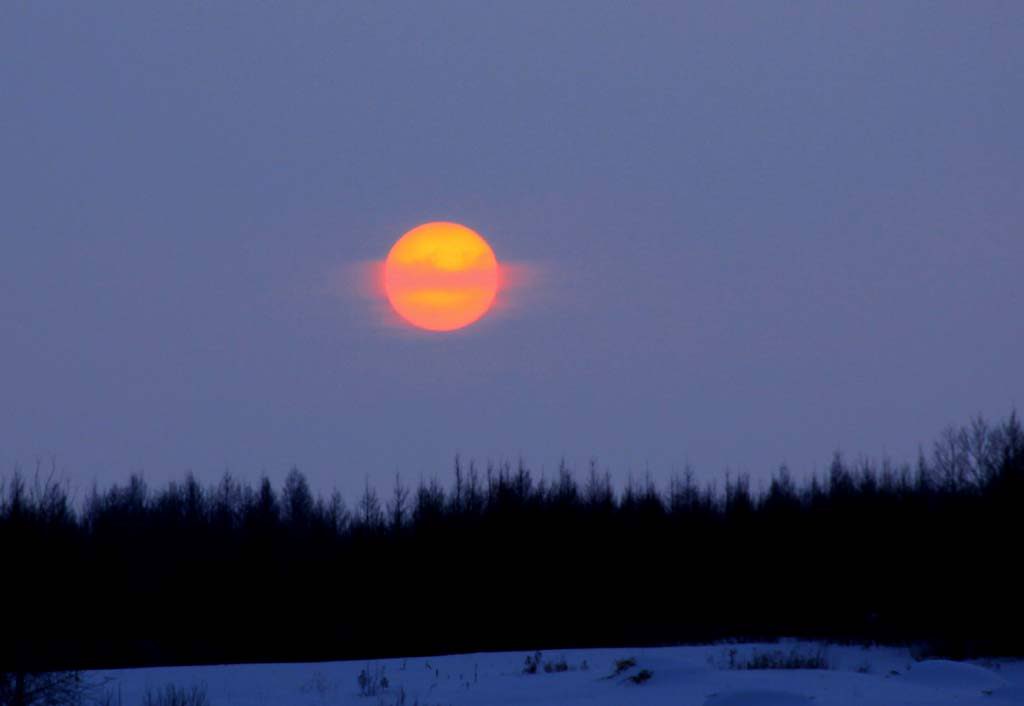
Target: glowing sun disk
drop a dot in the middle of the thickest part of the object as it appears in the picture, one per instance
(441, 276)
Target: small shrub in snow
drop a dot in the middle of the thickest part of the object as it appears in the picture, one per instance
(777, 659)
(172, 695)
(532, 662)
(641, 676)
(622, 665)
(991, 664)
(371, 683)
(560, 666)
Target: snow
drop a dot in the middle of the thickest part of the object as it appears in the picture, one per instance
(762, 697)
(954, 675)
(681, 675)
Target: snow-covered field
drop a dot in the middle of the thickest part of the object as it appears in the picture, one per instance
(680, 676)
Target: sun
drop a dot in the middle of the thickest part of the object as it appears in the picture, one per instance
(441, 276)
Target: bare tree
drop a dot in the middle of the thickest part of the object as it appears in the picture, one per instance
(398, 506)
(371, 516)
(969, 456)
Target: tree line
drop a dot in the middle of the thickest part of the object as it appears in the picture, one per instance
(503, 559)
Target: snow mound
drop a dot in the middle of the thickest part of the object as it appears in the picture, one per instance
(1009, 694)
(760, 697)
(953, 675)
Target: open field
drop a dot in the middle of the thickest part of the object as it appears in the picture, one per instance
(716, 675)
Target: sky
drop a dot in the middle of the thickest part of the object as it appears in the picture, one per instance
(755, 233)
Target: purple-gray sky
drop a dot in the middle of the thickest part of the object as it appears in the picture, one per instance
(765, 231)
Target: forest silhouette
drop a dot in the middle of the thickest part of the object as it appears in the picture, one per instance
(502, 559)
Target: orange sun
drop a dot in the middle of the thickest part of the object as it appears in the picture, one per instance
(441, 276)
